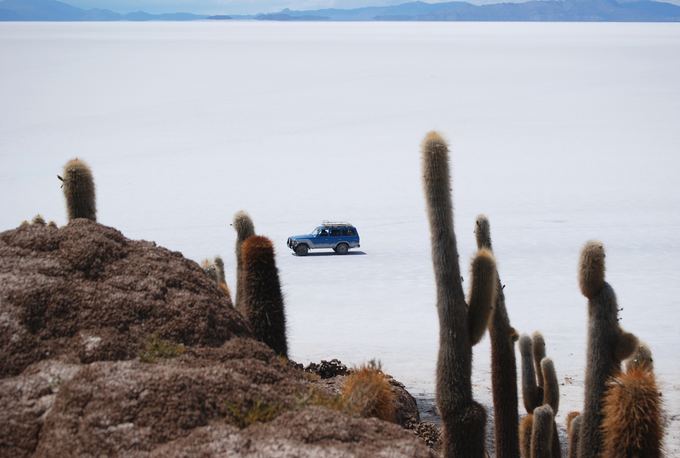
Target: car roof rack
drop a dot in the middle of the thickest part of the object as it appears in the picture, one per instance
(335, 223)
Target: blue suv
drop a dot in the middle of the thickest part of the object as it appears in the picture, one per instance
(339, 236)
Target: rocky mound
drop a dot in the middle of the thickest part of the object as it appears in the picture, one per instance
(120, 348)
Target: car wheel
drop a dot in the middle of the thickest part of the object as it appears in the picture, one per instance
(342, 248)
(301, 250)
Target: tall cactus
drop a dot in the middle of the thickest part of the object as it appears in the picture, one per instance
(459, 324)
(262, 298)
(79, 191)
(632, 424)
(244, 228)
(608, 345)
(503, 364)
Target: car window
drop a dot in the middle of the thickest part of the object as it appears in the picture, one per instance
(323, 232)
(337, 232)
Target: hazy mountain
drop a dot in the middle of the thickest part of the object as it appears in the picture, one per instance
(52, 10)
(541, 10)
(567, 10)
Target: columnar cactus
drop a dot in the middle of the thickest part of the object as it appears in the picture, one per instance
(460, 325)
(573, 433)
(262, 298)
(525, 427)
(608, 345)
(632, 423)
(503, 364)
(538, 345)
(542, 432)
(551, 397)
(219, 266)
(79, 190)
(244, 228)
(532, 394)
(543, 374)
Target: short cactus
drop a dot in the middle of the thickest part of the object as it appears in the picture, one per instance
(244, 228)
(368, 393)
(210, 269)
(532, 394)
(460, 325)
(525, 427)
(608, 345)
(538, 347)
(573, 434)
(219, 267)
(632, 423)
(262, 298)
(38, 220)
(503, 364)
(542, 432)
(79, 191)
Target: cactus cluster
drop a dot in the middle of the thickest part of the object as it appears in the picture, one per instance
(461, 324)
(608, 426)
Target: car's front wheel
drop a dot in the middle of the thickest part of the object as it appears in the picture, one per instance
(301, 250)
(342, 248)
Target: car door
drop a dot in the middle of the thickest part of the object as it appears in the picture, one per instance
(322, 239)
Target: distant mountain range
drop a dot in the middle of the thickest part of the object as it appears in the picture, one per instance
(52, 10)
(566, 10)
(542, 10)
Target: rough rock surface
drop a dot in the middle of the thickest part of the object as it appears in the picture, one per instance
(80, 304)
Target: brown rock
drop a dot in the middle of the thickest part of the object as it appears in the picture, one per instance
(311, 432)
(85, 293)
(81, 308)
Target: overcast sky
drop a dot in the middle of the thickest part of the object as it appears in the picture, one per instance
(234, 6)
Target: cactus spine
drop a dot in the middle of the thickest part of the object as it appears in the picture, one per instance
(79, 191)
(503, 364)
(632, 424)
(244, 228)
(262, 298)
(608, 345)
(464, 419)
